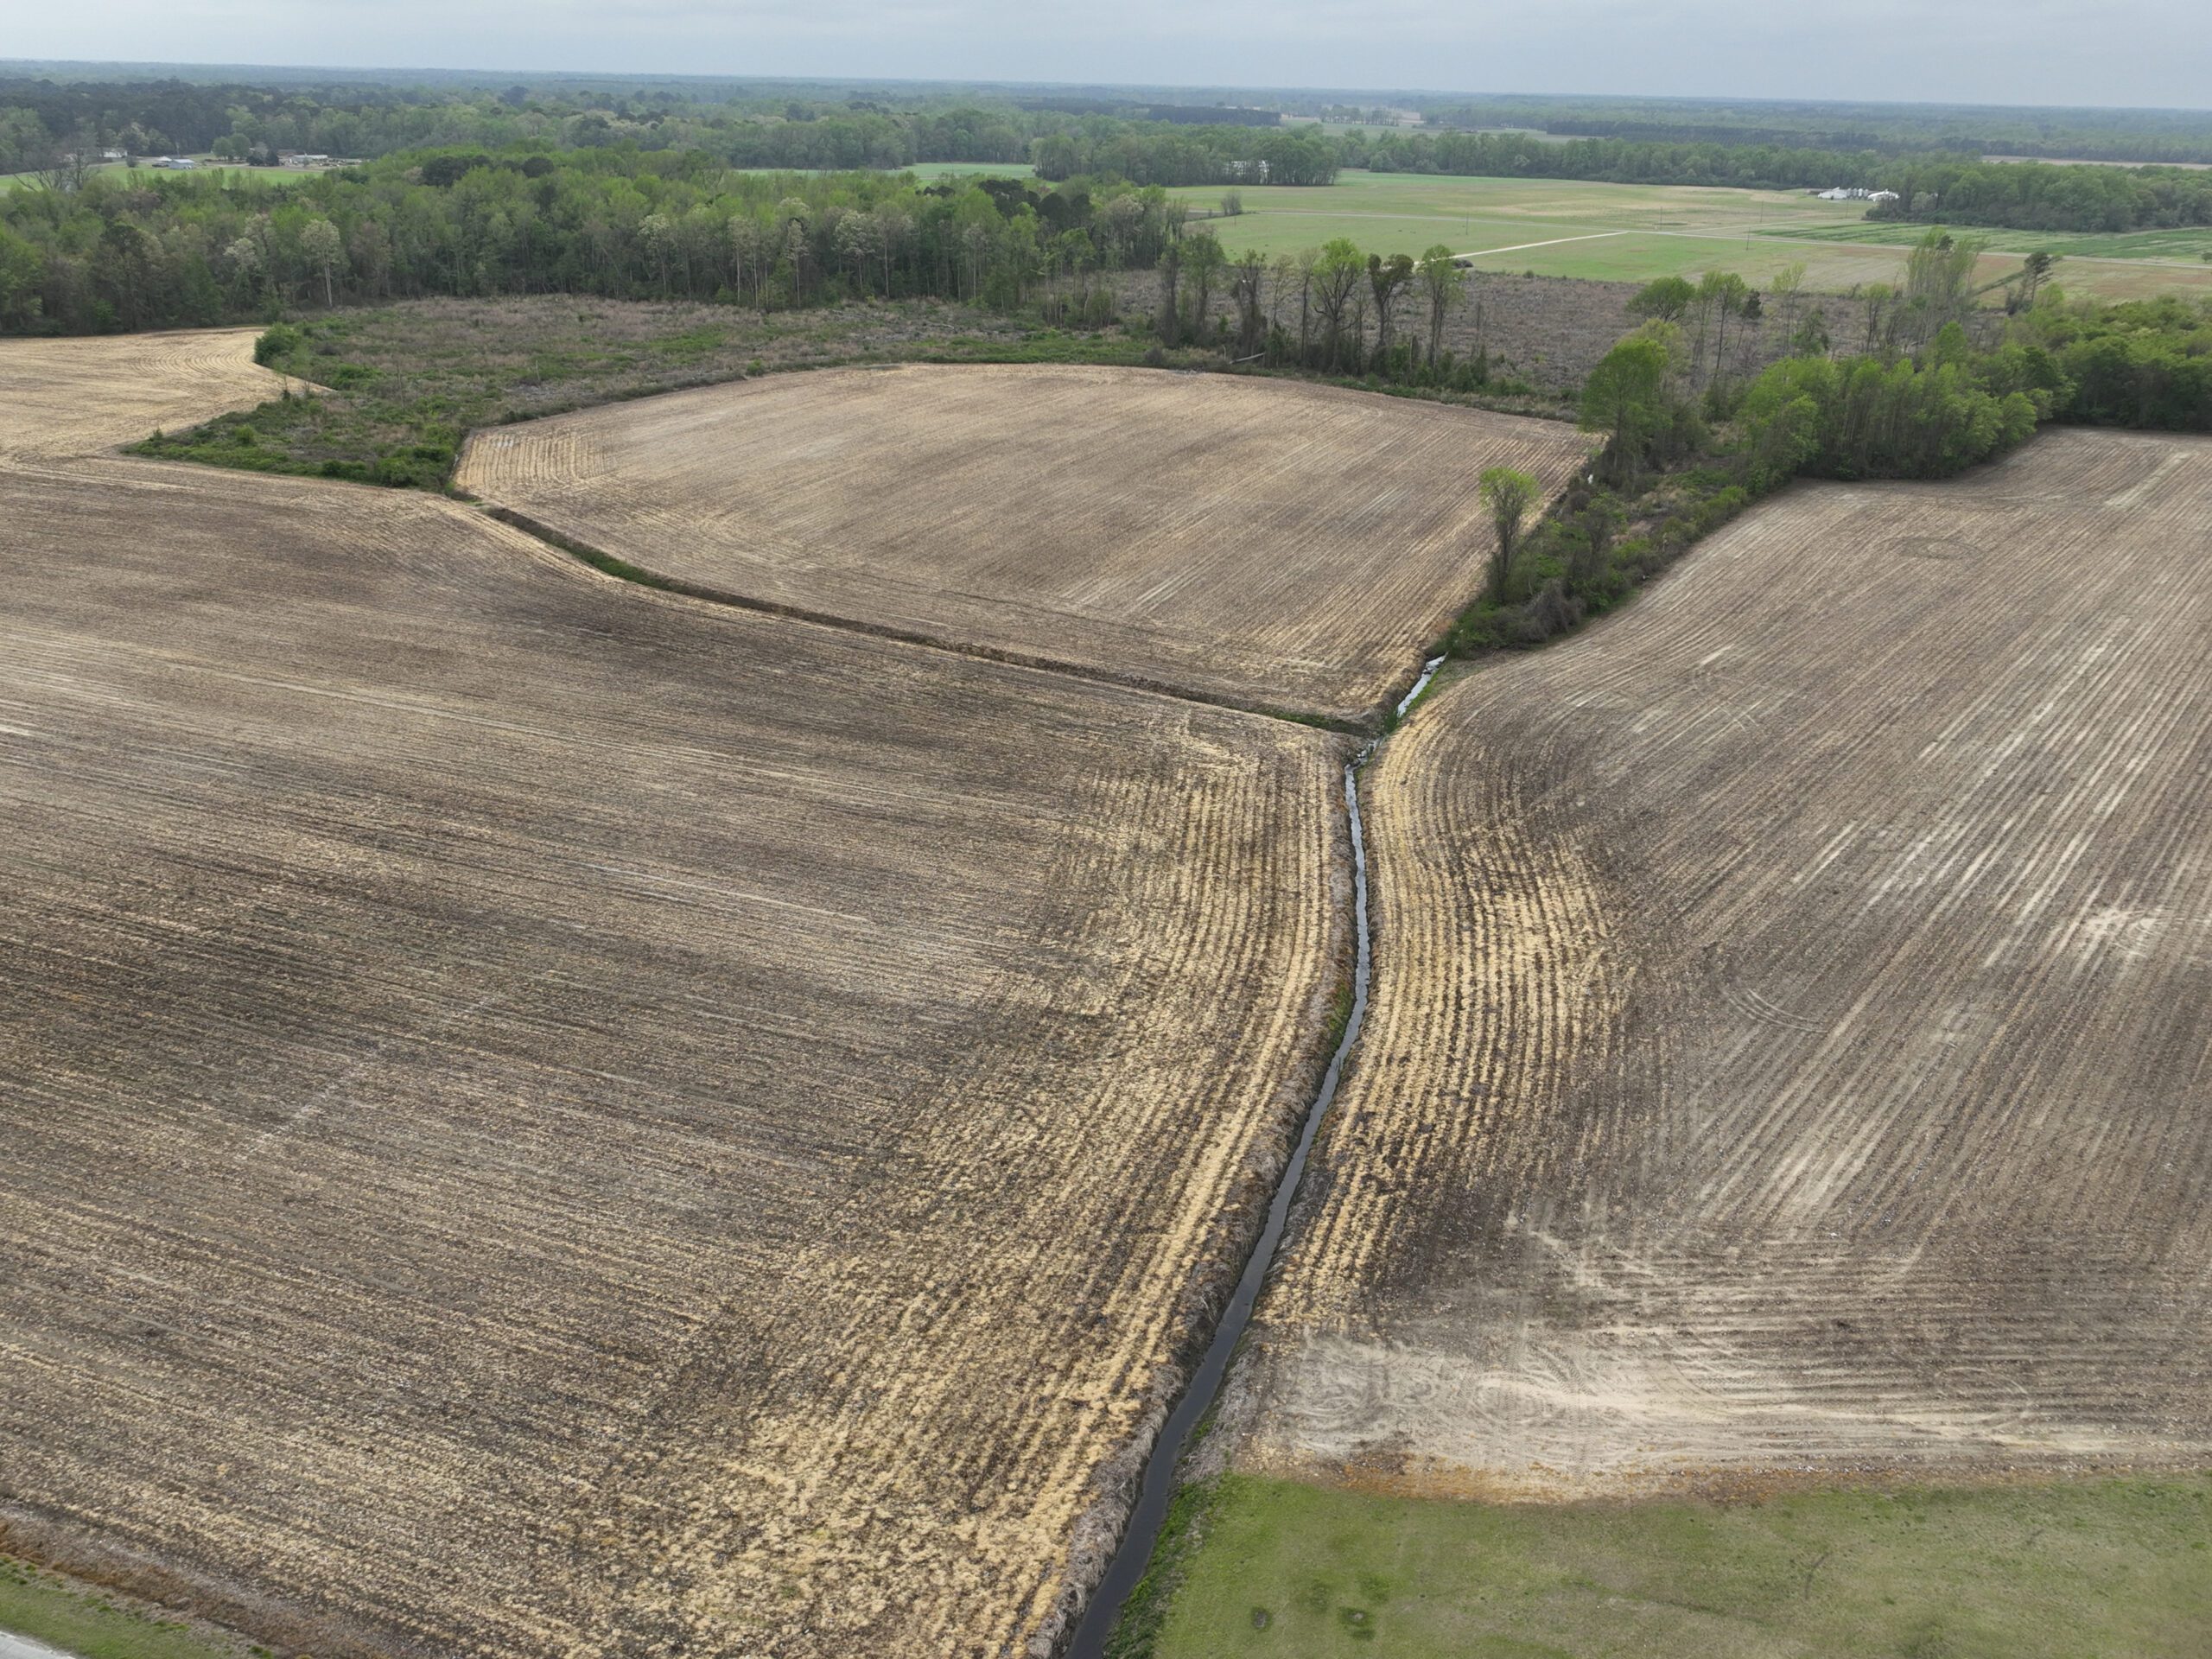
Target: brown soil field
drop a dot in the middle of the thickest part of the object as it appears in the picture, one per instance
(1260, 543)
(1793, 1024)
(76, 397)
(545, 1118)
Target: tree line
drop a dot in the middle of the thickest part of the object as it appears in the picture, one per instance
(1170, 153)
(1958, 189)
(1919, 386)
(2058, 132)
(44, 125)
(144, 250)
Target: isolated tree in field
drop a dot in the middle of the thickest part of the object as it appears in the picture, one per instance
(1666, 300)
(1337, 274)
(2033, 270)
(1387, 280)
(1625, 397)
(1442, 281)
(1507, 494)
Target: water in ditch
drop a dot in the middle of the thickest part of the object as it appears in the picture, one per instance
(1134, 1554)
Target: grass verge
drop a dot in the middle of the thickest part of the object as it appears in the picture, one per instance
(1145, 1614)
(83, 1621)
(2086, 1569)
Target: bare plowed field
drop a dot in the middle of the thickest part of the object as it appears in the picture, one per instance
(544, 1119)
(74, 396)
(1793, 1028)
(1257, 542)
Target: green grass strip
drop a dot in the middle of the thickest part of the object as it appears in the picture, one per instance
(49, 1608)
(2109, 1568)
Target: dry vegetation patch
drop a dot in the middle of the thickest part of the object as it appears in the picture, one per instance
(1789, 1045)
(1255, 541)
(546, 1119)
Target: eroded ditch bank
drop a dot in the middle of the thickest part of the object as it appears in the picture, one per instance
(1149, 1515)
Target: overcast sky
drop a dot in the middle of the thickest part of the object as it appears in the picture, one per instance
(2130, 52)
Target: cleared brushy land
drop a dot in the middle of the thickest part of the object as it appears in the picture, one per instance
(1789, 1051)
(1260, 543)
(547, 1119)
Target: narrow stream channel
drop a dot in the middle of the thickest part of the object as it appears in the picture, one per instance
(1134, 1554)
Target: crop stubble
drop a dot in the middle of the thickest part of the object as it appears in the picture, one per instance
(1265, 543)
(544, 1118)
(1789, 1048)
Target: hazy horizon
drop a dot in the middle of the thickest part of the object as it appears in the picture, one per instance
(2135, 54)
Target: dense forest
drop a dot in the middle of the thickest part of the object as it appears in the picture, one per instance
(2053, 133)
(145, 250)
(40, 119)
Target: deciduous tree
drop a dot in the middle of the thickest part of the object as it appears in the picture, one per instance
(1507, 494)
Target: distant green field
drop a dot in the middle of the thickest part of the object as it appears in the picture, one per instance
(1636, 232)
(931, 172)
(927, 172)
(2189, 243)
(109, 169)
(2103, 1569)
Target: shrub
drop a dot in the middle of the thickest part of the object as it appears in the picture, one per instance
(279, 342)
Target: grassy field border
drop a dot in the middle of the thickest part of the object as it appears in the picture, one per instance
(93, 1624)
(2104, 1567)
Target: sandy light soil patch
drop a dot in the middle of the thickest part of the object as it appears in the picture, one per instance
(1258, 542)
(547, 1119)
(77, 397)
(1789, 1049)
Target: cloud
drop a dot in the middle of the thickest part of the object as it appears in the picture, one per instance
(2140, 52)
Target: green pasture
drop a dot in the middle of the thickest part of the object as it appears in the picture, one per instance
(2186, 243)
(228, 170)
(927, 172)
(2091, 1569)
(81, 1621)
(1634, 232)
(936, 172)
